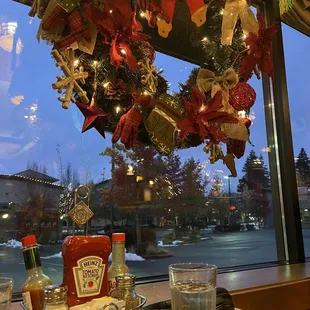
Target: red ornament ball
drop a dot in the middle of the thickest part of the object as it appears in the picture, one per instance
(242, 96)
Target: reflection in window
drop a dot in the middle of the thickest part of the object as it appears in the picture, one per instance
(172, 208)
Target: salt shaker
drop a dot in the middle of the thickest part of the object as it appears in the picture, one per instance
(125, 290)
(55, 297)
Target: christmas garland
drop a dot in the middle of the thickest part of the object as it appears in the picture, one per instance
(109, 73)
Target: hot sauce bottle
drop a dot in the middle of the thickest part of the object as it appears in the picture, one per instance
(36, 280)
(85, 267)
(118, 266)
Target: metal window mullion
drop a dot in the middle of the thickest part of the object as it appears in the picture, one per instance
(285, 163)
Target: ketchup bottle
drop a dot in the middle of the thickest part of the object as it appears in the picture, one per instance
(85, 267)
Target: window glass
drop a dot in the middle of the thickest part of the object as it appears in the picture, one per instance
(298, 98)
(180, 208)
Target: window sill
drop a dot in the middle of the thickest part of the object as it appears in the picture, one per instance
(235, 282)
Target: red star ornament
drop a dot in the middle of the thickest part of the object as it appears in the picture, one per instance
(94, 117)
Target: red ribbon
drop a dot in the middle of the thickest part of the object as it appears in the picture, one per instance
(119, 27)
(199, 120)
(260, 53)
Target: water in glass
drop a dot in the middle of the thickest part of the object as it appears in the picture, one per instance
(193, 296)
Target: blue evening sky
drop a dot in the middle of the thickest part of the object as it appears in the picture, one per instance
(23, 139)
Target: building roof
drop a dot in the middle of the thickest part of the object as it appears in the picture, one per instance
(32, 176)
(37, 175)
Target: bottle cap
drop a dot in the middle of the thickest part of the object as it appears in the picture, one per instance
(124, 281)
(29, 240)
(55, 294)
(118, 237)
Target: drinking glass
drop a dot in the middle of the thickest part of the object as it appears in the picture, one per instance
(6, 290)
(193, 286)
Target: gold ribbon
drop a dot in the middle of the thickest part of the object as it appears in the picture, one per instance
(207, 80)
(233, 10)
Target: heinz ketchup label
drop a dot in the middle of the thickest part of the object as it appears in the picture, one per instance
(88, 276)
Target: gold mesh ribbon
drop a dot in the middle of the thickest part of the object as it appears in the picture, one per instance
(207, 80)
(233, 10)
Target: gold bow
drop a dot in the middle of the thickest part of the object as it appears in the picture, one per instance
(233, 10)
(207, 80)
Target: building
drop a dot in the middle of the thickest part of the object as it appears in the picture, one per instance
(29, 204)
(304, 205)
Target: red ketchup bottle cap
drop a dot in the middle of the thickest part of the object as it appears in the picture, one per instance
(118, 237)
(29, 240)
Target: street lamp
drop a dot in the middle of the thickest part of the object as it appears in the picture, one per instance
(5, 215)
(227, 177)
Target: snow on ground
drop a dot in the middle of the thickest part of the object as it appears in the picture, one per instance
(174, 243)
(57, 255)
(12, 244)
(129, 257)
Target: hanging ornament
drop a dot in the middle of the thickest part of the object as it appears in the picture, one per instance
(198, 10)
(148, 74)
(72, 76)
(237, 147)
(161, 123)
(235, 9)
(260, 45)
(94, 117)
(229, 161)
(127, 127)
(242, 96)
(164, 23)
(215, 152)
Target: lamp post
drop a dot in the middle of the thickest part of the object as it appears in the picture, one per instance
(229, 188)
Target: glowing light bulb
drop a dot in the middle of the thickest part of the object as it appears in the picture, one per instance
(123, 51)
(142, 14)
(244, 36)
(145, 93)
(95, 63)
(76, 62)
(106, 84)
(117, 109)
(111, 11)
(242, 114)
(222, 12)
(205, 39)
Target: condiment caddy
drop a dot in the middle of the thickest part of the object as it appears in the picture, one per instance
(86, 279)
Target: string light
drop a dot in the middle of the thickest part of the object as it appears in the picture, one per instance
(242, 114)
(244, 36)
(111, 11)
(106, 84)
(20, 177)
(145, 93)
(123, 51)
(205, 39)
(117, 109)
(76, 62)
(142, 14)
(222, 12)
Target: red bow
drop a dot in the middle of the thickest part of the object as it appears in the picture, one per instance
(120, 28)
(260, 49)
(198, 116)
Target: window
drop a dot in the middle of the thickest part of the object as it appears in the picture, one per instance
(173, 209)
(298, 97)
